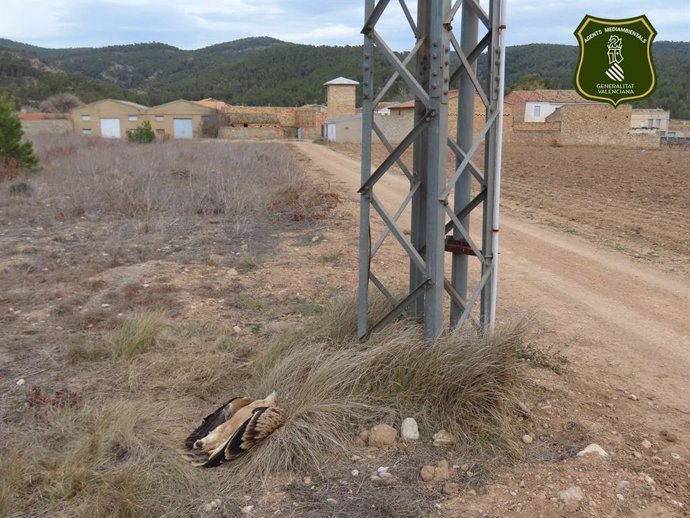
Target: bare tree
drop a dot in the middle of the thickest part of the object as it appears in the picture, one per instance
(211, 124)
(60, 103)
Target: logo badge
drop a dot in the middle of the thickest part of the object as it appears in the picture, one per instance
(615, 63)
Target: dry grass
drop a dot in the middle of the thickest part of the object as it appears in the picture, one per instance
(99, 460)
(166, 186)
(137, 335)
(332, 386)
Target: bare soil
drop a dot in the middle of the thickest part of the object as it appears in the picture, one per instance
(607, 363)
(620, 326)
(632, 200)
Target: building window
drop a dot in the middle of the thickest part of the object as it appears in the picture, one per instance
(658, 123)
(160, 131)
(86, 117)
(86, 131)
(133, 118)
(650, 123)
(537, 111)
(160, 118)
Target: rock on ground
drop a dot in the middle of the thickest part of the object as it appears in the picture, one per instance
(427, 473)
(593, 449)
(382, 435)
(409, 430)
(443, 438)
(572, 494)
(442, 471)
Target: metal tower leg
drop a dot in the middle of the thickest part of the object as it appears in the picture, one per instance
(430, 188)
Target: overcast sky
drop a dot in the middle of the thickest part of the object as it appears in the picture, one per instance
(192, 24)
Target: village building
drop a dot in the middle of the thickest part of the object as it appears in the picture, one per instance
(341, 94)
(178, 119)
(37, 123)
(109, 118)
(650, 119)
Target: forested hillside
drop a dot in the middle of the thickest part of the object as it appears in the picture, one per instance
(266, 71)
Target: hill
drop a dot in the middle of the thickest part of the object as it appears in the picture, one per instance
(267, 71)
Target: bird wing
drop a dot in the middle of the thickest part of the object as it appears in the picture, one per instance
(215, 419)
(262, 423)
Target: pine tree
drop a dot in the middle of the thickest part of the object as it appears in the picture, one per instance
(14, 154)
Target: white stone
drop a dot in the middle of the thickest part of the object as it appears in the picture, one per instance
(247, 509)
(633, 397)
(21, 382)
(314, 239)
(622, 484)
(527, 439)
(443, 438)
(382, 469)
(232, 272)
(237, 329)
(409, 430)
(331, 501)
(208, 508)
(620, 497)
(593, 449)
(675, 456)
(571, 494)
(646, 444)
(355, 472)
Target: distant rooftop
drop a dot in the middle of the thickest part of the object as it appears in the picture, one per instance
(546, 95)
(341, 81)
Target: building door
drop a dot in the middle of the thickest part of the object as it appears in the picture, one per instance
(330, 132)
(182, 128)
(110, 128)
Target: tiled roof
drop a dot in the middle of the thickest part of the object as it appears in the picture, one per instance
(211, 103)
(545, 95)
(44, 116)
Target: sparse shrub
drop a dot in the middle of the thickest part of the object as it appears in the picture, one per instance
(247, 264)
(168, 188)
(20, 189)
(14, 154)
(60, 103)
(211, 124)
(143, 134)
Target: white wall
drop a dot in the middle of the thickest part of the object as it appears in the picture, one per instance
(538, 111)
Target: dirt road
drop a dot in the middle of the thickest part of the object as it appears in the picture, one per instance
(623, 325)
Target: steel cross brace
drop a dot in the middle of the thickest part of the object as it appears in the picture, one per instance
(432, 218)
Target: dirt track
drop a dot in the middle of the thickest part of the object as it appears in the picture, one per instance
(622, 324)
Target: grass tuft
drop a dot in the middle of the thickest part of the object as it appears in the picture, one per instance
(332, 386)
(137, 335)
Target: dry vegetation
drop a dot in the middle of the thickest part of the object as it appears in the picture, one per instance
(118, 308)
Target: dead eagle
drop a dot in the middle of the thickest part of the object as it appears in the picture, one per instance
(233, 429)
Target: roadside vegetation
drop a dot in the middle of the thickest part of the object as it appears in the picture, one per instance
(141, 286)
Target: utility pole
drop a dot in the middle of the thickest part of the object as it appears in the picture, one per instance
(437, 228)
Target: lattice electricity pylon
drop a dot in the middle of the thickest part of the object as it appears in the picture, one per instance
(435, 226)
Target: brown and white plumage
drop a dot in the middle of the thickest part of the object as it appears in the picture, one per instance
(234, 428)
